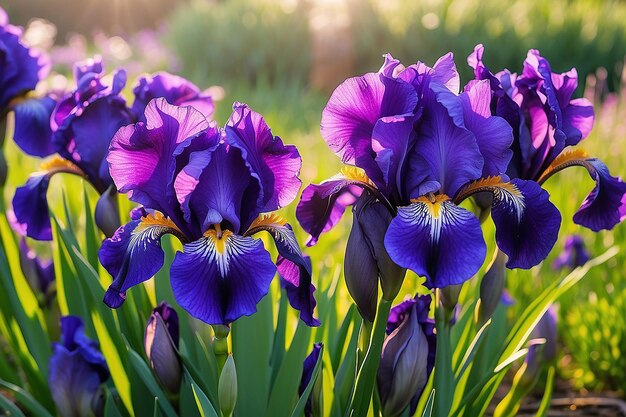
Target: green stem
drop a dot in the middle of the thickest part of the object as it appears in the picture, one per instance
(220, 346)
(444, 383)
(366, 377)
(365, 335)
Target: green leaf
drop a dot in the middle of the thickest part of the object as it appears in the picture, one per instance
(428, 410)
(26, 399)
(298, 411)
(110, 407)
(204, 405)
(9, 408)
(146, 376)
(544, 407)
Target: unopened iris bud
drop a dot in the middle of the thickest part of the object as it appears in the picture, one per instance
(367, 259)
(161, 344)
(542, 349)
(407, 357)
(76, 371)
(107, 215)
(313, 406)
(492, 286)
(574, 253)
(227, 389)
(38, 273)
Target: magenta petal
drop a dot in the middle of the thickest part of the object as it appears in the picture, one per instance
(352, 111)
(218, 280)
(321, 206)
(276, 165)
(605, 206)
(296, 280)
(441, 241)
(578, 118)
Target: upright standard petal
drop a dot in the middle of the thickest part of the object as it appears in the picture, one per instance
(141, 156)
(293, 267)
(218, 279)
(276, 165)
(134, 254)
(438, 240)
(352, 111)
(33, 133)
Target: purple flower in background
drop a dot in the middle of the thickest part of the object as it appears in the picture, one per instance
(542, 347)
(176, 90)
(213, 189)
(161, 343)
(546, 121)
(82, 124)
(574, 253)
(308, 366)
(421, 149)
(38, 273)
(21, 67)
(76, 371)
(408, 356)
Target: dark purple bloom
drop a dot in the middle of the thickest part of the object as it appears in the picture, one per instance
(408, 356)
(176, 90)
(77, 369)
(81, 126)
(308, 366)
(422, 148)
(542, 347)
(574, 253)
(21, 67)
(211, 188)
(161, 344)
(33, 133)
(546, 121)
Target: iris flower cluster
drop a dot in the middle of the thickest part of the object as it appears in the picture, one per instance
(77, 127)
(418, 147)
(214, 189)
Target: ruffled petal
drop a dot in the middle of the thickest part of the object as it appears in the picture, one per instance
(438, 240)
(293, 267)
(276, 165)
(141, 156)
(33, 133)
(134, 254)
(605, 206)
(352, 111)
(322, 205)
(219, 279)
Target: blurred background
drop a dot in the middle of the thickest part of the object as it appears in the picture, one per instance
(284, 57)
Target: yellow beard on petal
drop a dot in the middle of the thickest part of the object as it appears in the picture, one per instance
(218, 239)
(432, 202)
(355, 174)
(156, 219)
(268, 219)
(563, 160)
(58, 164)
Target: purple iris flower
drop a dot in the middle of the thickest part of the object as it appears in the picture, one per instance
(308, 366)
(420, 148)
(21, 67)
(213, 189)
(574, 253)
(547, 122)
(408, 356)
(81, 125)
(77, 369)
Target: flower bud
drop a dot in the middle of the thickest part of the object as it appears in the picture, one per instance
(492, 286)
(76, 371)
(574, 253)
(227, 389)
(107, 215)
(313, 404)
(161, 344)
(367, 259)
(542, 347)
(39, 274)
(407, 358)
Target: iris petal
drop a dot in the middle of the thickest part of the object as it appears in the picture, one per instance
(438, 240)
(294, 268)
(219, 279)
(134, 254)
(32, 126)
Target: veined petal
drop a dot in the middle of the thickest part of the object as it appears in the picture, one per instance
(134, 254)
(322, 205)
(276, 165)
(436, 239)
(219, 279)
(30, 204)
(352, 111)
(294, 268)
(527, 223)
(33, 133)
